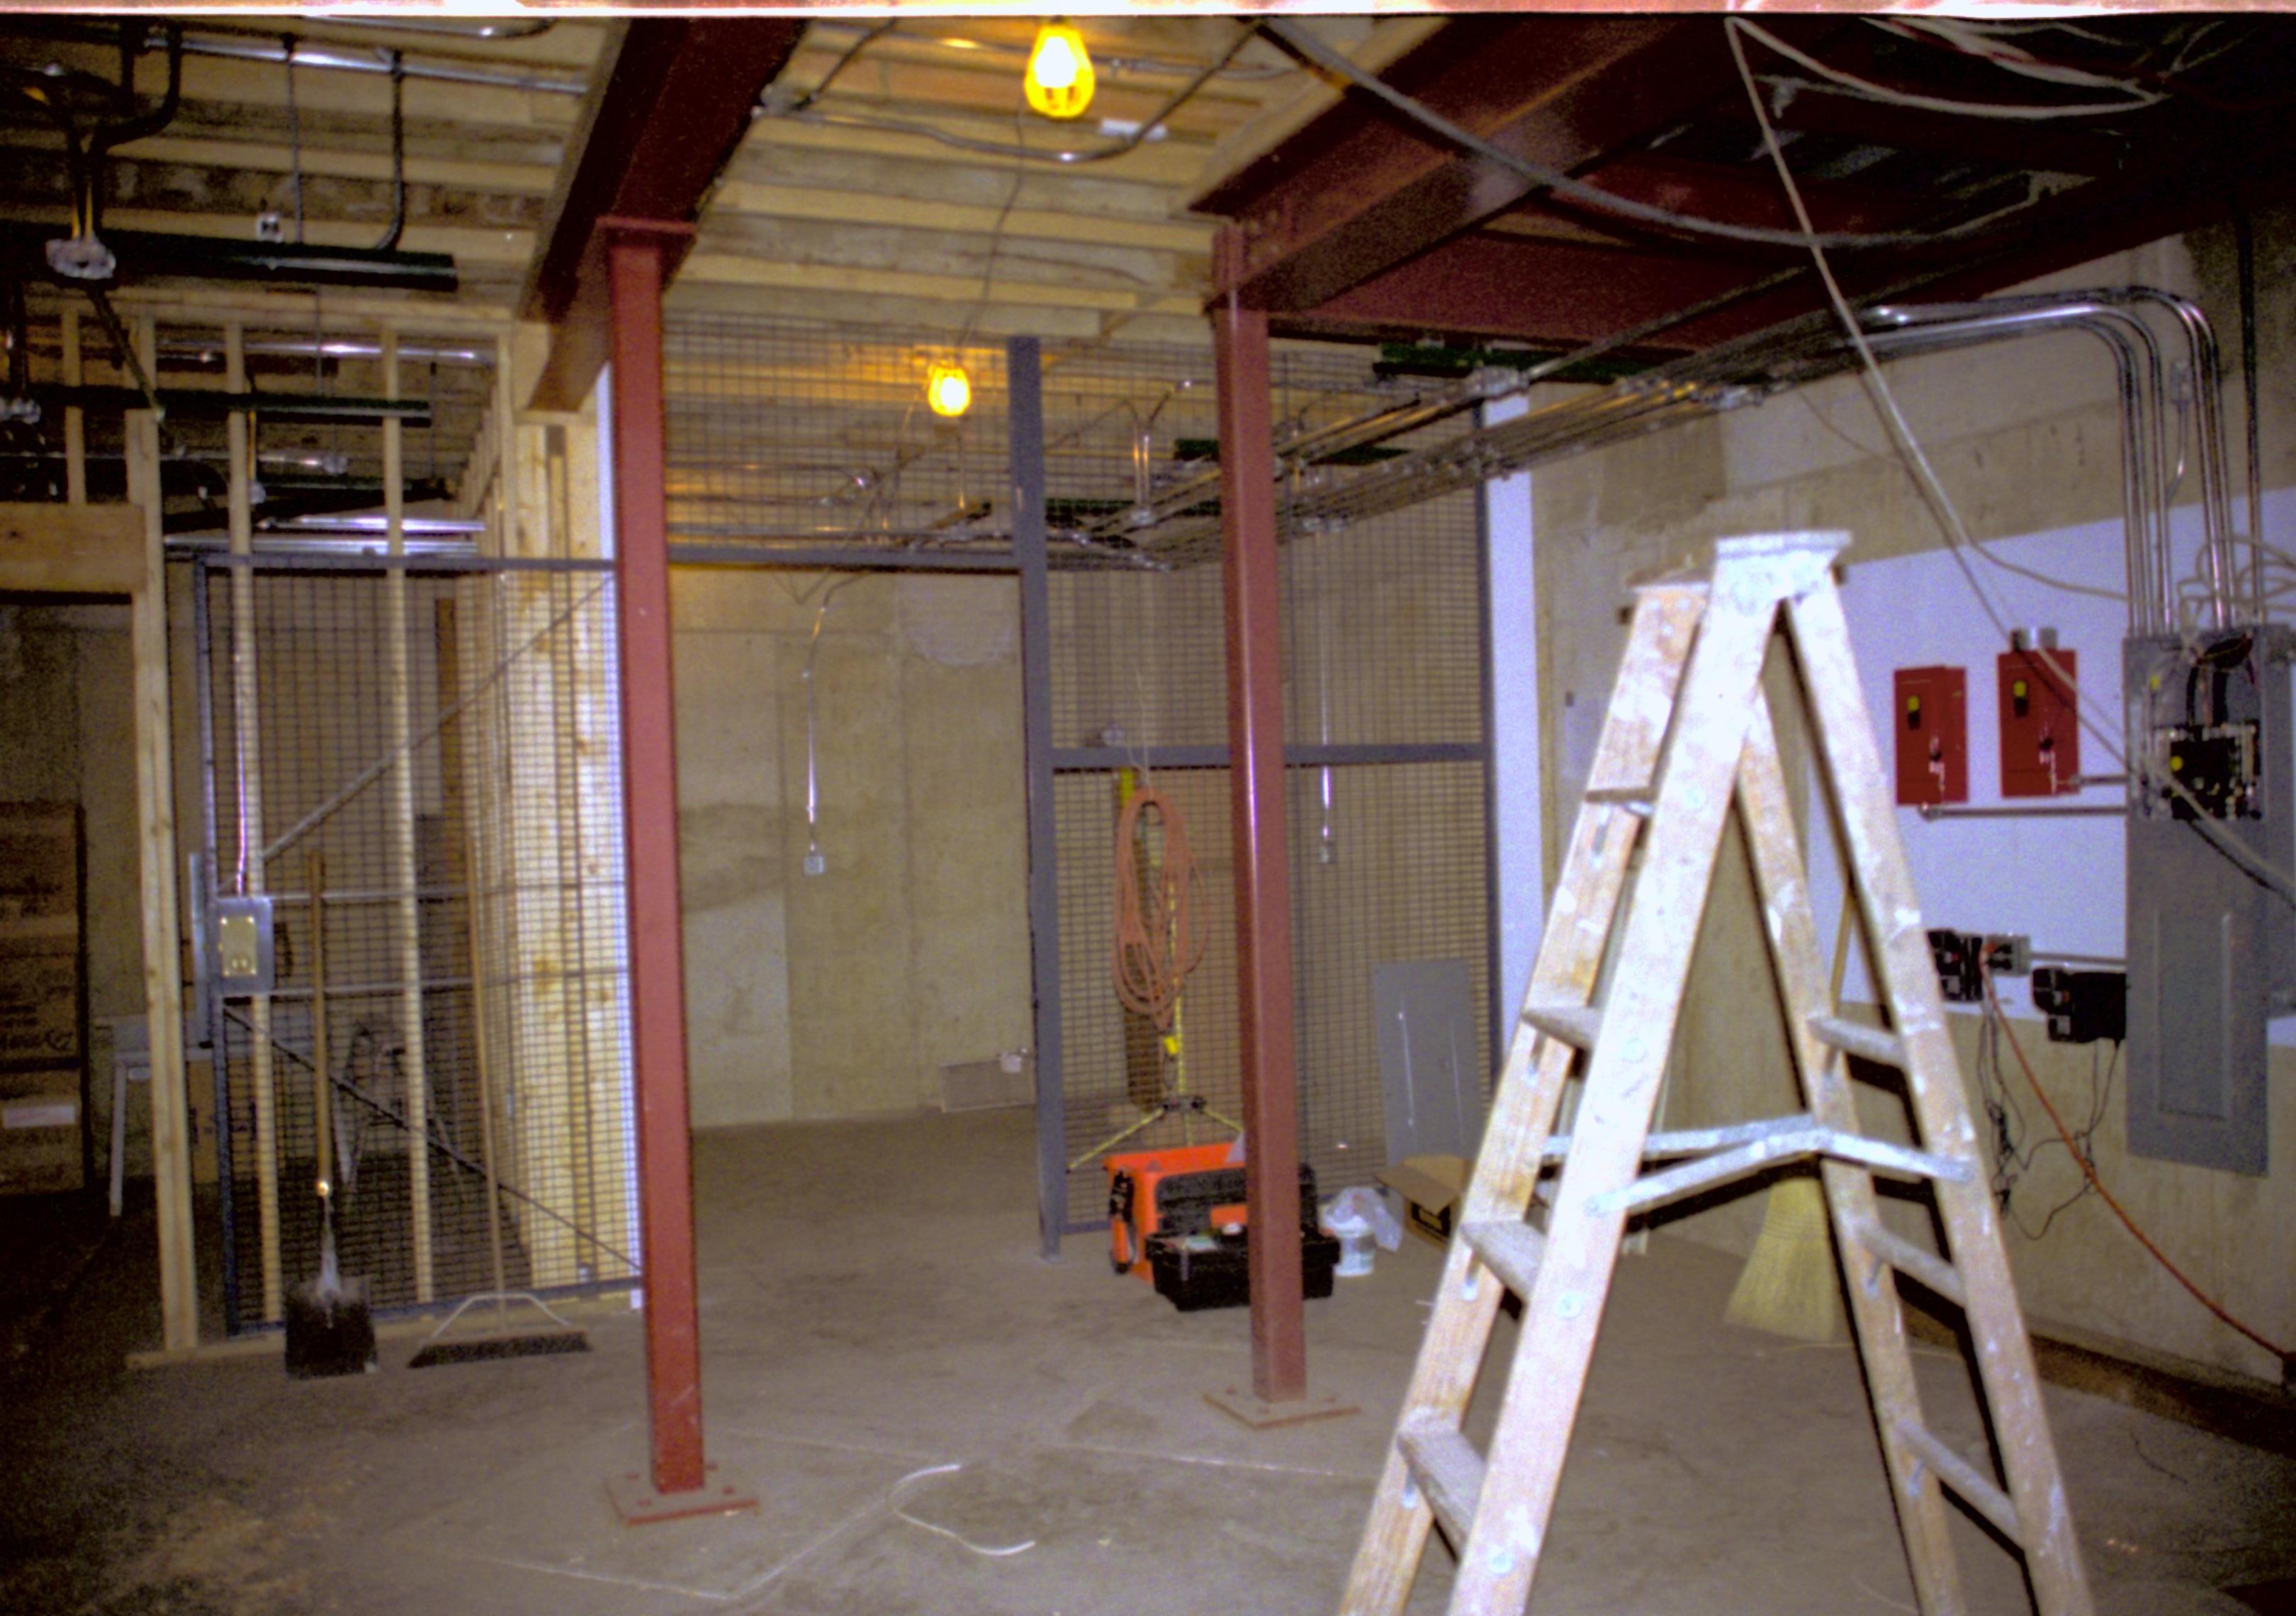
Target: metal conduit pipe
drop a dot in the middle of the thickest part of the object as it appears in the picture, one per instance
(377, 59)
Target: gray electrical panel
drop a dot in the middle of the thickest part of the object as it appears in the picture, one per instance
(1430, 1062)
(2212, 940)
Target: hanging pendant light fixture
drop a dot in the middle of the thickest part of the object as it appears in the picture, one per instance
(948, 391)
(1060, 77)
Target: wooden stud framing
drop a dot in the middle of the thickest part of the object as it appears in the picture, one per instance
(246, 872)
(155, 796)
(405, 866)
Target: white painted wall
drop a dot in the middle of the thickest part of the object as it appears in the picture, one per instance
(2057, 880)
(1518, 823)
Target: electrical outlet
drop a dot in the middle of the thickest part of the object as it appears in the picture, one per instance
(2009, 955)
(244, 957)
(815, 863)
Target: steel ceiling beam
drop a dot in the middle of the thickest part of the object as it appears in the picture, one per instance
(1360, 192)
(671, 99)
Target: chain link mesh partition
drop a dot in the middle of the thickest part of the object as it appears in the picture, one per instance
(813, 442)
(427, 765)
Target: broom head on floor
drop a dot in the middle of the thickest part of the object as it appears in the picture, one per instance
(1788, 1287)
(541, 1339)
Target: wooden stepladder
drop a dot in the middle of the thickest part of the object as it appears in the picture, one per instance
(1689, 733)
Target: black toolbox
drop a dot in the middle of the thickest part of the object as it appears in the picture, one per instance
(1196, 1265)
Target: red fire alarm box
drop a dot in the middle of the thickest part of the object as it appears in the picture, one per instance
(2040, 723)
(1931, 720)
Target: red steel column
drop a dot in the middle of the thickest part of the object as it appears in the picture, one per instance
(1263, 879)
(634, 269)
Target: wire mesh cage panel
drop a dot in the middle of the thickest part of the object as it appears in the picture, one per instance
(421, 772)
(812, 441)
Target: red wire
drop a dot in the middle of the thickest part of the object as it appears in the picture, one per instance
(2088, 1170)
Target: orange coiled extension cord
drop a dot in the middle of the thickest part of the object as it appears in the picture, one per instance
(1157, 943)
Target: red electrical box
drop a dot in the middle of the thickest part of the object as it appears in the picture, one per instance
(1931, 720)
(2040, 723)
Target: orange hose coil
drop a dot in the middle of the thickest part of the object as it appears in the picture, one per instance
(1157, 942)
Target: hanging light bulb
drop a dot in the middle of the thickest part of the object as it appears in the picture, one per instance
(1060, 78)
(948, 390)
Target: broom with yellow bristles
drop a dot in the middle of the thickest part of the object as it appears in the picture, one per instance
(1788, 1287)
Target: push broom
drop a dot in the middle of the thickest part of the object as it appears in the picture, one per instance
(501, 1340)
(330, 1329)
(1788, 1285)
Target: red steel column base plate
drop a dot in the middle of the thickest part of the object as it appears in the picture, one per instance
(638, 1503)
(1247, 1408)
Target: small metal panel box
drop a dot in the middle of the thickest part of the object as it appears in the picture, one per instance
(2212, 940)
(1931, 719)
(2040, 722)
(244, 961)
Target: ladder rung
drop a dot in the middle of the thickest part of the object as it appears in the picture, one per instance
(1639, 794)
(1449, 1472)
(1576, 1025)
(1959, 1473)
(1903, 1255)
(1509, 1247)
(1867, 1043)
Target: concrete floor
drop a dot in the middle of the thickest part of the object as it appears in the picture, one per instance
(910, 1390)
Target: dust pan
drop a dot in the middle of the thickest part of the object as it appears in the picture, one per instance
(486, 1346)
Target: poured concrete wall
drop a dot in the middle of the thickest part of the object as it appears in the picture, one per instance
(2026, 439)
(845, 993)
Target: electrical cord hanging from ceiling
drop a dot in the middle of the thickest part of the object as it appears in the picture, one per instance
(1866, 89)
(1958, 541)
(1157, 940)
(2088, 1169)
(1315, 51)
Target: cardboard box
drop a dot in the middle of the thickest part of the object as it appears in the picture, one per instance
(1430, 1187)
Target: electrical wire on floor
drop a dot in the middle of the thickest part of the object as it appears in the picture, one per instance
(2082, 1159)
(894, 1499)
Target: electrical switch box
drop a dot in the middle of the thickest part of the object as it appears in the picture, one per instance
(1932, 721)
(2040, 722)
(2083, 1006)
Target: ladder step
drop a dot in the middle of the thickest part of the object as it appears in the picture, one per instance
(1576, 1025)
(1509, 1247)
(1448, 1471)
(1867, 1043)
(1640, 794)
(1959, 1473)
(1903, 1255)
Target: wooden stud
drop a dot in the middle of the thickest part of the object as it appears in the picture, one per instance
(246, 874)
(75, 418)
(163, 994)
(405, 866)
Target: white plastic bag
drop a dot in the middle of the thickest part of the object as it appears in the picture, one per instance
(1363, 1209)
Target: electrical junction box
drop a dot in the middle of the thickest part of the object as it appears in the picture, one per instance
(243, 947)
(2211, 929)
(1930, 718)
(2083, 1006)
(2040, 722)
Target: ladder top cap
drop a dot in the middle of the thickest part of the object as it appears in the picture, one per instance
(1811, 541)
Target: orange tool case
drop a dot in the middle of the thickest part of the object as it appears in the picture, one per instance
(1135, 1208)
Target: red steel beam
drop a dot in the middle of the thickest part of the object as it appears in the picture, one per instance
(1358, 191)
(673, 98)
(1253, 592)
(635, 254)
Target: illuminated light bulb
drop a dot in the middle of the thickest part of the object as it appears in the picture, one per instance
(948, 391)
(1060, 78)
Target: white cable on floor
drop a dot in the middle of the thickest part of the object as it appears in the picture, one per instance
(893, 1502)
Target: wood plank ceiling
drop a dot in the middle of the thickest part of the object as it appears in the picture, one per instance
(886, 198)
